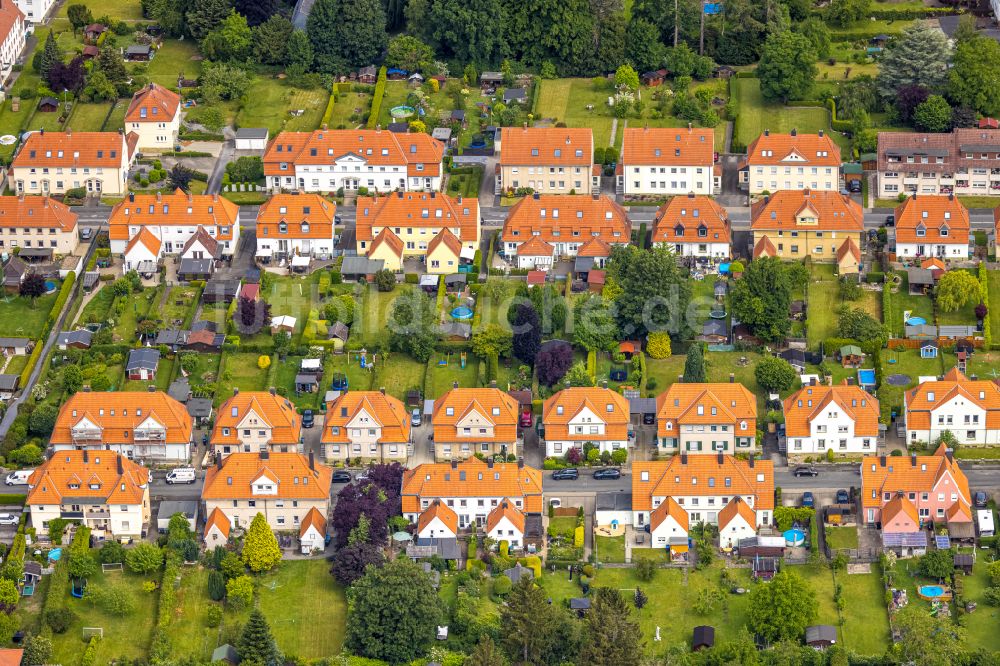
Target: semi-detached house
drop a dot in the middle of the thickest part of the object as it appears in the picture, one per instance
(693, 226)
(295, 225)
(547, 160)
(665, 161)
(37, 222)
(54, 162)
(794, 224)
(965, 161)
(254, 422)
(706, 418)
(13, 32)
(791, 161)
(578, 415)
(968, 409)
(842, 419)
(932, 225)
(471, 421)
(366, 424)
(328, 160)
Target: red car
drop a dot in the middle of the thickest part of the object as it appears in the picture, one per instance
(526, 418)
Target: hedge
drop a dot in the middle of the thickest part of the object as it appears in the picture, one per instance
(592, 365)
(377, 98)
(875, 277)
(578, 537)
(642, 370)
(985, 296)
(13, 498)
(90, 654)
(536, 84)
(534, 563)
(160, 650)
(325, 121)
(440, 294)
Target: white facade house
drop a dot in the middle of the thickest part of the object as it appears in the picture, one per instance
(34, 11)
(933, 225)
(328, 160)
(437, 522)
(968, 409)
(13, 29)
(142, 251)
(736, 521)
(666, 161)
(668, 521)
(295, 225)
(155, 116)
(173, 219)
(578, 415)
(841, 418)
(506, 523)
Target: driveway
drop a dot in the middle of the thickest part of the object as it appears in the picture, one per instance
(226, 155)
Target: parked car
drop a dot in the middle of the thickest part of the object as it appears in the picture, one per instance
(18, 477)
(181, 475)
(204, 439)
(843, 497)
(649, 418)
(890, 220)
(980, 499)
(854, 186)
(805, 470)
(308, 418)
(86, 233)
(568, 474)
(341, 476)
(415, 417)
(607, 474)
(526, 418)
(8, 519)
(808, 500)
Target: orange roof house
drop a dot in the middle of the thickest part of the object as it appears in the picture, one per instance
(474, 420)
(841, 418)
(799, 223)
(418, 218)
(506, 522)
(792, 161)
(298, 216)
(312, 531)
(462, 485)
(969, 409)
(154, 115)
(174, 218)
(669, 508)
(685, 223)
(294, 477)
(713, 480)
(365, 424)
(932, 225)
(437, 521)
(144, 246)
(388, 247)
(667, 161)
(545, 146)
(684, 410)
(36, 212)
(900, 515)
(217, 528)
(585, 414)
(254, 421)
(53, 150)
(147, 425)
(848, 257)
(764, 248)
(931, 483)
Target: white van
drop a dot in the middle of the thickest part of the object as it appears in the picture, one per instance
(984, 523)
(18, 477)
(181, 475)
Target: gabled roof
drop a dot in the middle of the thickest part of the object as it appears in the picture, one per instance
(764, 248)
(35, 211)
(448, 239)
(595, 247)
(201, 236)
(177, 209)
(737, 507)
(430, 210)
(923, 399)
(696, 475)
(564, 146)
(932, 213)
(153, 104)
(144, 358)
(810, 402)
(607, 405)
(117, 412)
(233, 477)
(669, 507)
(897, 505)
(303, 215)
(472, 478)
(774, 149)
(691, 213)
(784, 209)
(145, 238)
(370, 147)
(386, 412)
(442, 512)
(74, 149)
(389, 239)
(567, 218)
(848, 248)
(98, 475)
(668, 146)
(274, 410)
(911, 474)
(497, 410)
(313, 519)
(535, 247)
(707, 403)
(505, 509)
(218, 520)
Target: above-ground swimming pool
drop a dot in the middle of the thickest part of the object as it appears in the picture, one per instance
(50, 286)
(866, 377)
(934, 592)
(402, 111)
(916, 321)
(55, 554)
(462, 313)
(723, 268)
(795, 537)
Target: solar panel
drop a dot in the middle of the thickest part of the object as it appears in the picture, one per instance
(904, 539)
(942, 542)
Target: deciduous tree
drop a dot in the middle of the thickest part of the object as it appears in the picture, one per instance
(260, 546)
(594, 325)
(782, 609)
(926, 640)
(270, 40)
(492, 339)
(933, 115)
(655, 292)
(252, 315)
(258, 12)
(350, 562)
(409, 54)
(231, 40)
(553, 361)
(204, 16)
(761, 298)
(787, 67)
(346, 34)
(79, 16)
(774, 374)
(144, 558)
(413, 326)
(32, 286)
(846, 12)
(975, 77)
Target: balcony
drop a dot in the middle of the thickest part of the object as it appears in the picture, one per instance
(910, 180)
(87, 436)
(98, 514)
(149, 435)
(71, 515)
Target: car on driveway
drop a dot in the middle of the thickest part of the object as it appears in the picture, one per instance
(890, 220)
(341, 476)
(854, 186)
(808, 500)
(415, 417)
(568, 474)
(980, 499)
(8, 519)
(85, 233)
(308, 419)
(607, 474)
(843, 497)
(805, 470)
(649, 418)
(526, 418)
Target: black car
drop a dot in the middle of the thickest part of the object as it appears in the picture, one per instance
(980, 499)
(843, 497)
(854, 186)
(805, 471)
(649, 418)
(341, 476)
(608, 474)
(308, 420)
(890, 220)
(568, 474)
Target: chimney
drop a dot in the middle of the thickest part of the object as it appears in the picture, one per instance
(459, 199)
(604, 384)
(454, 464)
(913, 460)
(324, 127)
(812, 381)
(381, 389)
(493, 383)
(119, 464)
(597, 196)
(218, 462)
(767, 132)
(752, 461)
(680, 379)
(684, 458)
(85, 456)
(722, 459)
(131, 197)
(312, 461)
(150, 85)
(525, 126)
(881, 461)
(690, 195)
(520, 463)
(821, 134)
(794, 132)
(86, 389)
(951, 196)
(236, 390)
(378, 128)
(159, 197)
(399, 194)
(42, 131)
(535, 196)
(272, 391)
(151, 389)
(489, 463)
(690, 127)
(45, 201)
(454, 385)
(732, 378)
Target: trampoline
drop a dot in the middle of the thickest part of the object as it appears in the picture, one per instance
(79, 587)
(898, 380)
(717, 314)
(50, 286)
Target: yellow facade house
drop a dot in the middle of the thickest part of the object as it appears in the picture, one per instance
(793, 224)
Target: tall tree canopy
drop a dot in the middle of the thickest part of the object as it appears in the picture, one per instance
(919, 57)
(537, 632)
(975, 76)
(557, 31)
(761, 298)
(346, 34)
(461, 30)
(787, 66)
(655, 293)
(613, 637)
(782, 609)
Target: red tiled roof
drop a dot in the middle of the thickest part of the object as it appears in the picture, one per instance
(431, 210)
(776, 149)
(375, 147)
(153, 104)
(794, 210)
(691, 213)
(36, 212)
(668, 146)
(564, 146)
(932, 213)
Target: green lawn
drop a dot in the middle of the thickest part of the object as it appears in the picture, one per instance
(178, 311)
(562, 525)
(371, 317)
(137, 306)
(172, 59)
(466, 184)
(441, 377)
(89, 117)
(99, 307)
(163, 373)
(353, 104)
(437, 104)
(358, 379)
(399, 375)
(287, 370)
(271, 101)
(756, 115)
(130, 10)
(918, 305)
(240, 371)
(294, 296)
(906, 363)
(824, 295)
(19, 317)
(206, 370)
(866, 624)
(842, 537)
(117, 118)
(610, 549)
(981, 625)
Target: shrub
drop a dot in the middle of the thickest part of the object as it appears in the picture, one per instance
(658, 345)
(113, 600)
(502, 586)
(213, 616)
(578, 537)
(645, 569)
(59, 619)
(110, 553)
(144, 558)
(239, 592)
(216, 586)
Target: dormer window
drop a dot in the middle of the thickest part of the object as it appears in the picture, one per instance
(282, 227)
(449, 411)
(305, 227)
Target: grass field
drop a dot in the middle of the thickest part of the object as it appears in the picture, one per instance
(138, 305)
(842, 537)
(19, 317)
(89, 117)
(982, 624)
(437, 104)
(756, 115)
(375, 306)
(610, 549)
(441, 377)
(182, 302)
(117, 117)
(350, 104)
(172, 59)
(127, 10)
(398, 375)
(918, 305)
(271, 101)
(964, 316)
(906, 363)
(824, 295)
(240, 371)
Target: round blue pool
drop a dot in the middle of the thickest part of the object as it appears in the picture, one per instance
(723, 268)
(462, 313)
(916, 321)
(795, 537)
(50, 286)
(55, 554)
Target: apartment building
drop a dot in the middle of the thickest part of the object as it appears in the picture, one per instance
(578, 415)
(254, 422)
(296, 225)
(706, 418)
(932, 225)
(328, 160)
(703, 486)
(53, 162)
(366, 424)
(13, 32)
(154, 114)
(667, 161)
(103, 490)
(472, 489)
(791, 161)
(547, 160)
(34, 11)
(470, 421)
(968, 409)
(142, 425)
(693, 226)
(965, 161)
(37, 222)
(283, 487)
(541, 229)
(842, 419)
(439, 230)
(173, 220)
(794, 224)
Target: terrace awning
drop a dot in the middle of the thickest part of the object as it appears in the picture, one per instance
(300, 261)
(264, 252)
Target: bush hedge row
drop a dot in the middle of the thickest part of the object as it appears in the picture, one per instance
(377, 98)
